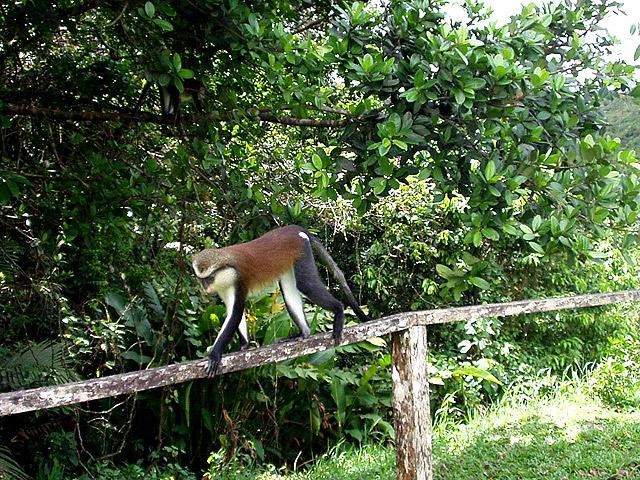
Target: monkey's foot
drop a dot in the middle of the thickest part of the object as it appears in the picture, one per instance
(337, 337)
(293, 338)
(212, 365)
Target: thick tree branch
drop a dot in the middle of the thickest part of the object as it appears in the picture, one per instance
(147, 117)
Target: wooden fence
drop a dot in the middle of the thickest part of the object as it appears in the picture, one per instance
(409, 374)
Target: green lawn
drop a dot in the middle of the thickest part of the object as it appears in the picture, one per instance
(564, 438)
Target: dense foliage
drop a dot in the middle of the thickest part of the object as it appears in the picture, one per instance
(443, 160)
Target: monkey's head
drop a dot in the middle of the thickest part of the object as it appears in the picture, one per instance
(214, 269)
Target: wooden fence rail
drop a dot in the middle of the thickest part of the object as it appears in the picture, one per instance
(409, 351)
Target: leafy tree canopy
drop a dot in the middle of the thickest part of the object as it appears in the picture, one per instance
(308, 101)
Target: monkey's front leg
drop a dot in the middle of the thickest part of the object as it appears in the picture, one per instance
(234, 301)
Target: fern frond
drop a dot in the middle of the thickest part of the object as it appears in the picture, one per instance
(33, 364)
(9, 468)
(10, 252)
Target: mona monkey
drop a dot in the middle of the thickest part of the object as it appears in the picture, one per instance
(171, 99)
(284, 255)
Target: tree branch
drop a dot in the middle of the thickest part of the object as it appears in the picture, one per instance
(147, 117)
(110, 386)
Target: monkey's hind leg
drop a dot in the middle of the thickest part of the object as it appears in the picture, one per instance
(310, 284)
(243, 331)
(293, 302)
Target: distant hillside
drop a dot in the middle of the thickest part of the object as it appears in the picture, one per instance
(623, 116)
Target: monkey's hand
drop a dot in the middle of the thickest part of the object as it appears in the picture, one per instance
(213, 364)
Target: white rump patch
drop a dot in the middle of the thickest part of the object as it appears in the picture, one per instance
(243, 328)
(294, 301)
(304, 235)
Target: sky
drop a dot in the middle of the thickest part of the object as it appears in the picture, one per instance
(618, 25)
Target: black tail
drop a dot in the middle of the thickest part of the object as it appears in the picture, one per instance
(325, 258)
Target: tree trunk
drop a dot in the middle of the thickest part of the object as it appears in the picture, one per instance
(411, 404)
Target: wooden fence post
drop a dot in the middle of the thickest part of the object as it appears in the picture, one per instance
(412, 418)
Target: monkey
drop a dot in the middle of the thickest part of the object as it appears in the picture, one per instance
(171, 99)
(284, 255)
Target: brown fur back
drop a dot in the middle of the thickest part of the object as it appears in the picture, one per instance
(263, 260)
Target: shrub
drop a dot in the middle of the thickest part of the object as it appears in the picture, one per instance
(616, 380)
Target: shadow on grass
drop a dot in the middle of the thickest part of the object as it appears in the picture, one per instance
(549, 448)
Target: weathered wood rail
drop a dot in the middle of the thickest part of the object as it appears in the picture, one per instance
(409, 352)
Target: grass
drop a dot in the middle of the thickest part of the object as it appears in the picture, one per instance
(567, 437)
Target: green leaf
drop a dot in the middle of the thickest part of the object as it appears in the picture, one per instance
(166, 26)
(494, 191)
(491, 234)
(477, 238)
(510, 229)
(476, 372)
(536, 247)
(489, 170)
(367, 63)
(339, 395)
(5, 194)
(526, 228)
(13, 188)
(377, 341)
(385, 165)
(164, 79)
(476, 83)
(379, 185)
(149, 9)
(316, 161)
(445, 271)
(253, 24)
(185, 73)
(177, 62)
(535, 224)
(411, 95)
(459, 95)
(636, 55)
(400, 144)
(117, 301)
(320, 358)
(278, 327)
(480, 282)
(469, 259)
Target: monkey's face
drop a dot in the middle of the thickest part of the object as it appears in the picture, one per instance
(206, 283)
(213, 269)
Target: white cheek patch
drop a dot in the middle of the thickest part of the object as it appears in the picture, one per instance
(228, 296)
(304, 235)
(224, 279)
